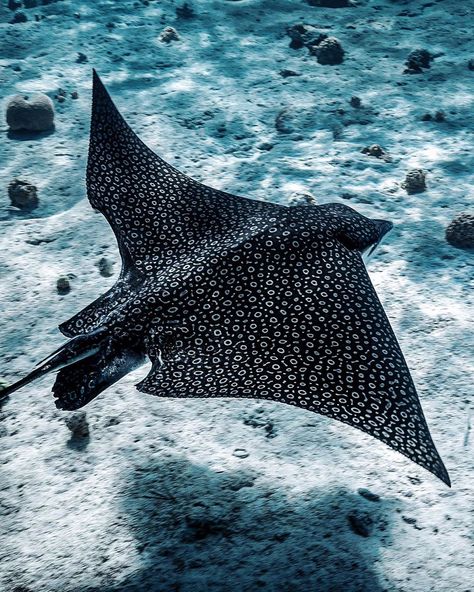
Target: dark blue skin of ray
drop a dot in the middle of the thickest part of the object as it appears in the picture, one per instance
(122, 330)
(232, 297)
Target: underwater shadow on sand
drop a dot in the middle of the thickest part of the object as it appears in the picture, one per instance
(201, 530)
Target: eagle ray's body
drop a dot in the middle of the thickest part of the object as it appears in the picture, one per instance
(232, 297)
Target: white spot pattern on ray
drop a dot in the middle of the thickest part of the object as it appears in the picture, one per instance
(231, 297)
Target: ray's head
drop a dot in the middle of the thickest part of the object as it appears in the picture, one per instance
(355, 231)
(382, 228)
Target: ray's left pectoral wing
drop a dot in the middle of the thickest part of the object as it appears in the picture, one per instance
(157, 213)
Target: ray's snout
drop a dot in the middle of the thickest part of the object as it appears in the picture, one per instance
(383, 226)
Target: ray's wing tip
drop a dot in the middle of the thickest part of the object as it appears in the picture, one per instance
(95, 77)
(443, 475)
(100, 94)
(436, 467)
(439, 470)
(97, 84)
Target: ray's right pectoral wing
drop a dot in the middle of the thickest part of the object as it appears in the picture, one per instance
(331, 351)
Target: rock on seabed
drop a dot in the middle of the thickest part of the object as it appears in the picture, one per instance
(34, 115)
(460, 233)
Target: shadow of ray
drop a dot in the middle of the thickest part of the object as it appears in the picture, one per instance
(202, 531)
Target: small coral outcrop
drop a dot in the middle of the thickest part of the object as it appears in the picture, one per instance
(33, 115)
(460, 233)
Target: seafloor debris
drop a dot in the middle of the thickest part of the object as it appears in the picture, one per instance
(14, 4)
(377, 152)
(61, 95)
(23, 194)
(265, 146)
(286, 73)
(283, 121)
(329, 52)
(355, 102)
(81, 58)
(34, 115)
(77, 424)
(361, 523)
(303, 35)
(185, 11)
(63, 285)
(460, 233)
(105, 267)
(417, 61)
(439, 117)
(168, 34)
(295, 120)
(240, 453)
(34, 3)
(415, 181)
(18, 17)
(368, 495)
(330, 3)
(301, 199)
(258, 419)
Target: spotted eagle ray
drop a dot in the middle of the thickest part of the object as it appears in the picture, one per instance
(233, 297)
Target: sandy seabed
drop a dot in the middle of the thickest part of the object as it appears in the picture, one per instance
(218, 495)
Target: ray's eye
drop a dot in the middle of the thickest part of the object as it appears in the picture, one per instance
(350, 242)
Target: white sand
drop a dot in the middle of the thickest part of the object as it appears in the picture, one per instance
(156, 499)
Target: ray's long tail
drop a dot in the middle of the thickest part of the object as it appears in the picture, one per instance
(78, 348)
